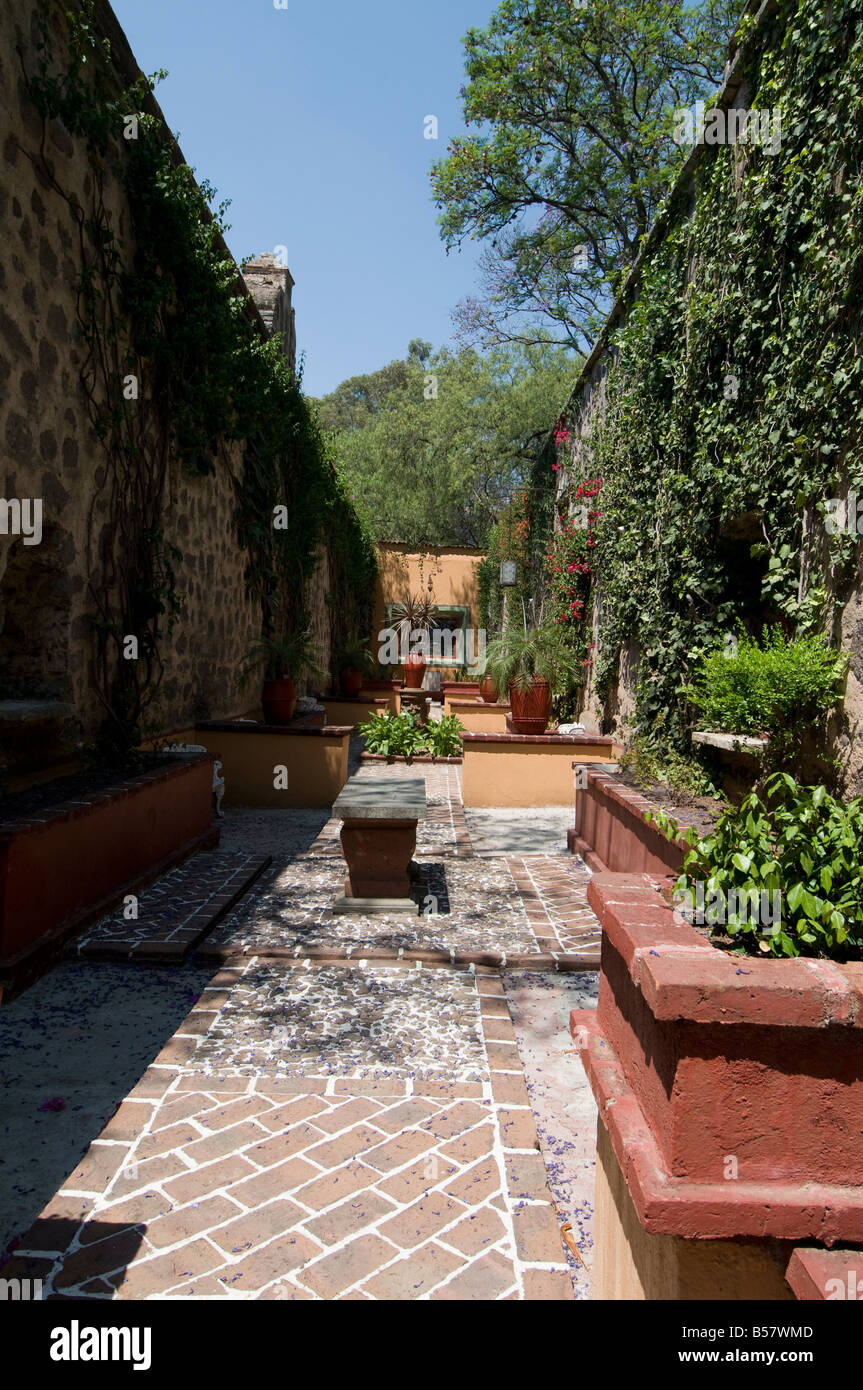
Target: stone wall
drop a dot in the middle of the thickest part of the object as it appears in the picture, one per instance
(584, 414)
(270, 283)
(48, 450)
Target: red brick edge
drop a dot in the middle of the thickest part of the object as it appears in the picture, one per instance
(831, 1275)
(672, 1206)
(563, 962)
(576, 845)
(606, 786)
(557, 740)
(681, 975)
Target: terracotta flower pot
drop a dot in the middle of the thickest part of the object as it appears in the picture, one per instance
(415, 669)
(278, 699)
(351, 681)
(531, 709)
(488, 690)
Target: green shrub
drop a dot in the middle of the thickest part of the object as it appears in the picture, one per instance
(443, 738)
(780, 688)
(402, 736)
(782, 876)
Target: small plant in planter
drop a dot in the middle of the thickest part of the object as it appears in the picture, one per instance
(354, 663)
(402, 736)
(533, 666)
(286, 656)
(782, 876)
(441, 738)
(392, 735)
(780, 689)
(414, 614)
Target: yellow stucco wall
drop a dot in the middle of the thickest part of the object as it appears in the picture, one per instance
(632, 1264)
(477, 717)
(452, 572)
(316, 763)
(524, 774)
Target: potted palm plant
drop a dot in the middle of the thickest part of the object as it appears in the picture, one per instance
(285, 656)
(533, 665)
(354, 662)
(414, 614)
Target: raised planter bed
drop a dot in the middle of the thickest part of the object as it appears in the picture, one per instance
(388, 691)
(730, 1092)
(739, 755)
(347, 709)
(458, 690)
(480, 717)
(611, 833)
(64, 865)
(252, 755)
(527, 769)
(415, 758)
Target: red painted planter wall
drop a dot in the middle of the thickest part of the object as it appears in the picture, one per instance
(610, 824)
(54, 867)
(710, 1056)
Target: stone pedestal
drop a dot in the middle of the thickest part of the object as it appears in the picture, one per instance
(378, 838)
(378, 855)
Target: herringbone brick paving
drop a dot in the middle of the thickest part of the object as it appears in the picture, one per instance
(390, 1181)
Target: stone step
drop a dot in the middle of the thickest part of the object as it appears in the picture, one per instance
(175, 913)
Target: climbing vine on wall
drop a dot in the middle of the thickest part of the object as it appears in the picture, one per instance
(735, 398)
(176, 321)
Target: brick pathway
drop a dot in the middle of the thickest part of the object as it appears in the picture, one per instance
(317, 1132)
(344, 1112)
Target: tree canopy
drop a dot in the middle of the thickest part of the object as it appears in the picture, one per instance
(574, 152)
(431, 448)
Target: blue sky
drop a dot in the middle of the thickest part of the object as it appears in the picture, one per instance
(310, 120)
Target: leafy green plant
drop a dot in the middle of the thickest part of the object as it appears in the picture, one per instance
(651, 763)
(798, 849)
(355, 652)
(518, 655)
(727, 417)
(442, 737)
(402, 736)
(392, 735)
(780, 688)
(415, 612)
(286, 655)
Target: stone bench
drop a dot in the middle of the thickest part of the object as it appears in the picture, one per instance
(379, 836)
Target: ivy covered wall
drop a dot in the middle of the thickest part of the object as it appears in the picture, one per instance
(720, 414)
(187, 495)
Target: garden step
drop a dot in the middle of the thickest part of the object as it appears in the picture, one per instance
(175, 913)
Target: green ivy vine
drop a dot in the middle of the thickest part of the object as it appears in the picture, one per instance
(176, 317)
(734, 398)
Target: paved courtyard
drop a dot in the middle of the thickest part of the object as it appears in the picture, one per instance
(379, 1107)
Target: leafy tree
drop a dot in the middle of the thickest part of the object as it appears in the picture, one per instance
(433, 459)
(574, 154)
